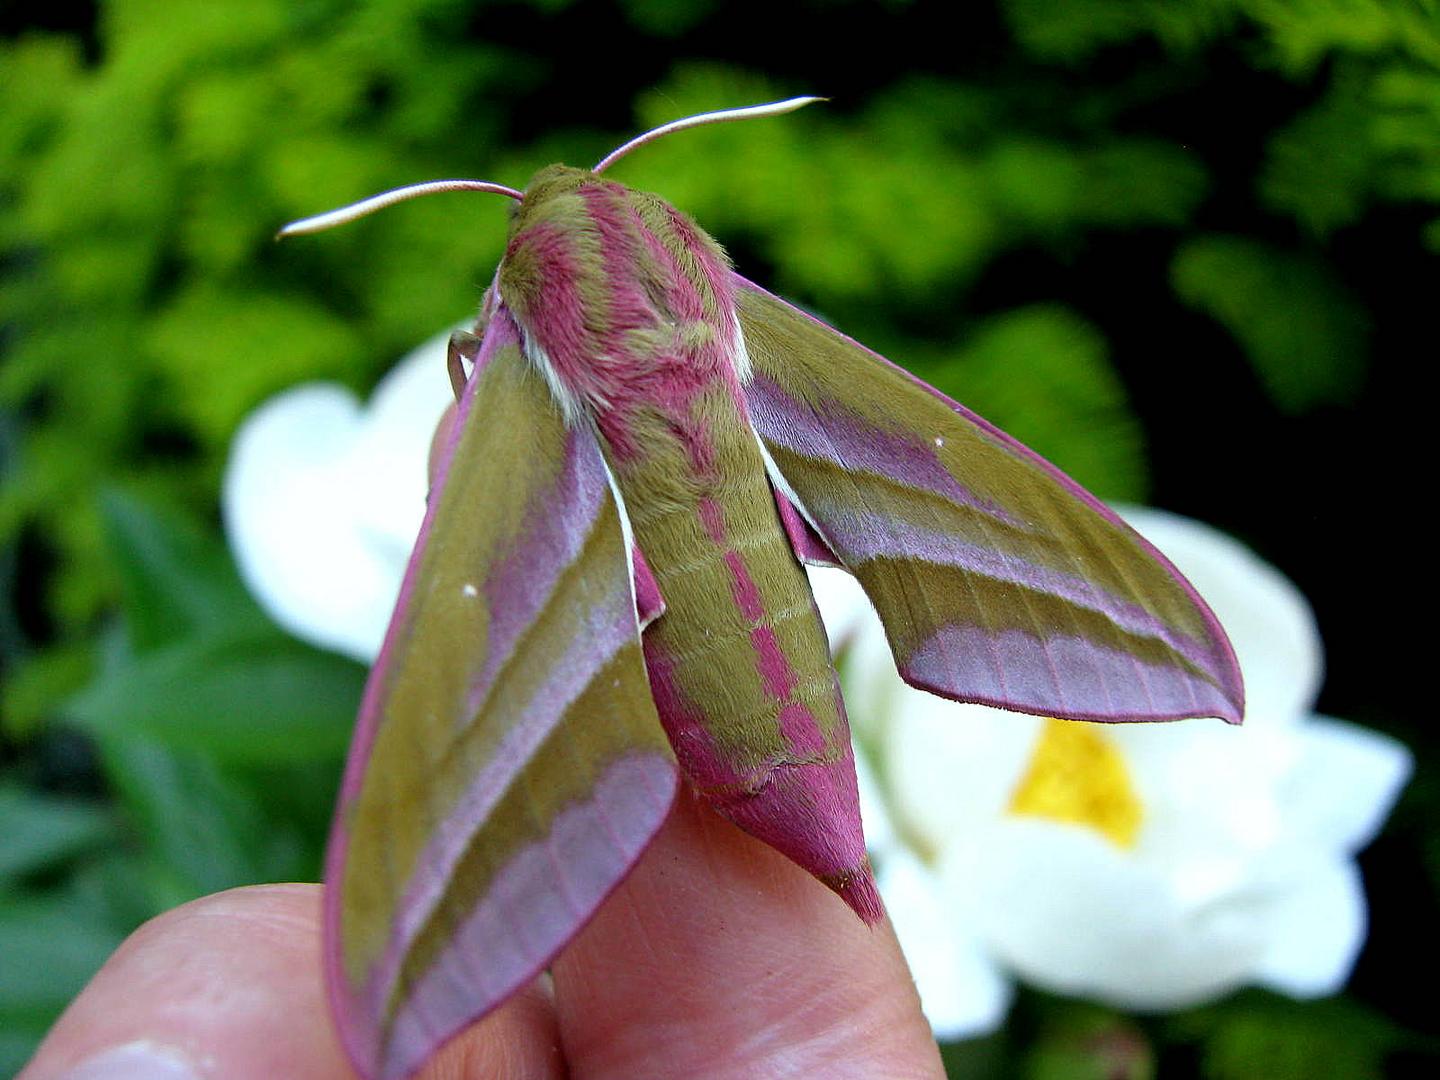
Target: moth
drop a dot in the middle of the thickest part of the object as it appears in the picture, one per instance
(607, 595)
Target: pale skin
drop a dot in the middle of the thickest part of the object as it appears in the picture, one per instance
(716, 957)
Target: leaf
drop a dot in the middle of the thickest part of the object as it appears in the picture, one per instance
(1082, 1042)
(17, 1046)
(1320, 168)
(42, 831)
(1073, 30)
(177, 581)
(664, 19)
(37, 73)
(198, 826)
(48, 951)
(1303, 332)
(1132, 182)
(263, 341)
(257, 698)
(1259, 1034)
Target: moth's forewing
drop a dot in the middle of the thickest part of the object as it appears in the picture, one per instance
(508, 766)
(998, 578)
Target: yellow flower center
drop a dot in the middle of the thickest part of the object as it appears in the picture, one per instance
(1078, 775)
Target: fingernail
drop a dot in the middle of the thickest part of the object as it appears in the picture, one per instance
(134, 1061)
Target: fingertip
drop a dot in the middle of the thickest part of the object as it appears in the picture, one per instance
(230, 987)
(519, 1041)
(224, 986)
(720, 957)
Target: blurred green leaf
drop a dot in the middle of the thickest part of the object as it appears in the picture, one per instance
(1321, 166)
(1256, 1034)
(48, 951)
(259, 698)
(203, 829)
(44, 830)
(16, 1048)
(1132, 182)
(177, 580)
(37, 75)
(41, 682)
(1072, 30)
(1301, 33)
(265, 342)
(1084, 1042)
(989, 1057)
(1304, 333)
(664, 18)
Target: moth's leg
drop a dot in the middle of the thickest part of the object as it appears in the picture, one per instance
(464, 345)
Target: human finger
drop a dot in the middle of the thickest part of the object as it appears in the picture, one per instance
(718, 957)
(229, 987)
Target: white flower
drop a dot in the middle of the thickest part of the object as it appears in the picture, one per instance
(1148, 866)
(323, 499)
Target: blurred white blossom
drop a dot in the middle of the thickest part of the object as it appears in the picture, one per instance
(323, 498)
(1148, 866)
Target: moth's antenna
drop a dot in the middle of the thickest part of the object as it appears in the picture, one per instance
(346, 214)
(775, 108)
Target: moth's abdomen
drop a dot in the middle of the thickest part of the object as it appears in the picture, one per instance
(740, 667)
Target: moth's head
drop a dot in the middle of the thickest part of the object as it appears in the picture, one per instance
(546, 194)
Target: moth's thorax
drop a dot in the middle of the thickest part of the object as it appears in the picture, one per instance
(627, 306)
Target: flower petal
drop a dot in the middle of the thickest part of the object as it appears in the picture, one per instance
(951, 769)
(1317, 929)
(1075, 914)
(844, 607)
(290, 514)
(322, 501)
(1343, 785)
(394, 446)
(880, 838)
(857, 639)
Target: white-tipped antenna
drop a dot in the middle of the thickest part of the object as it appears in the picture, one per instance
(775, 108)
(345, 214)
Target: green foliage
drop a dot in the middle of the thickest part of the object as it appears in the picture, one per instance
(1091, 1046)
(1261, 1035)
(255, 698)
(42, 830)
(49, 948)
(1303, 332)
(218, 740)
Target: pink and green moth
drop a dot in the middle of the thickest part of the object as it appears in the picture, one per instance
(607, 595)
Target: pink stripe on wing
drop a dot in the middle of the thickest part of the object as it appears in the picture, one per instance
(519, 583)
(1075, 677)
(609, 626)
(523, 920)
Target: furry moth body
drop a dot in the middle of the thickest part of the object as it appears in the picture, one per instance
(607, 595)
